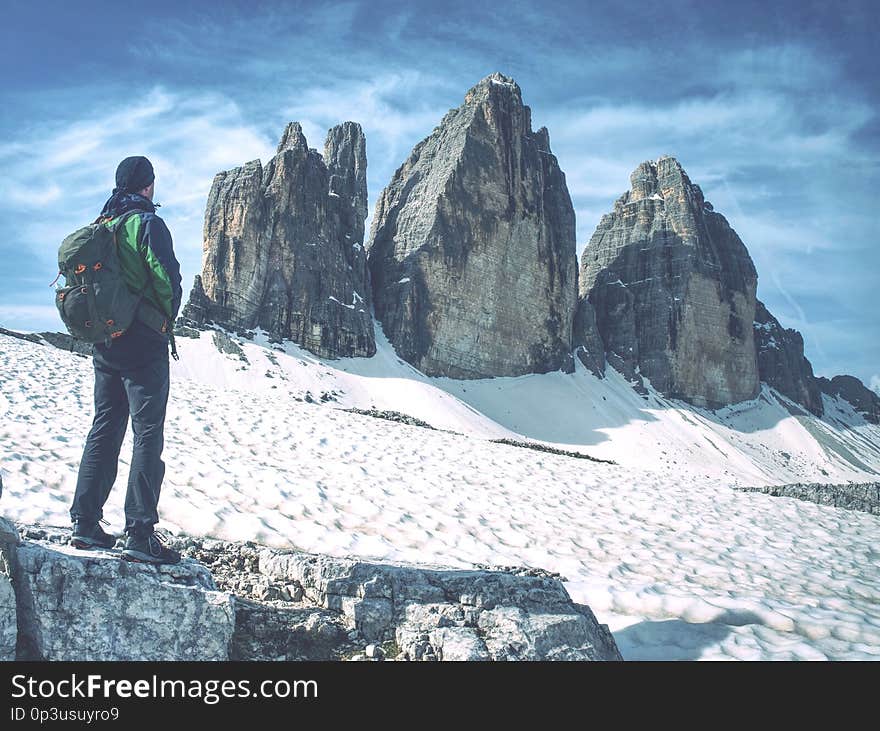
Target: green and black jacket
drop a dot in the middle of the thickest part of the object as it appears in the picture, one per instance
(144, 239)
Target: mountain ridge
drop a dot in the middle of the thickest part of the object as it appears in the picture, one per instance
(470, 266)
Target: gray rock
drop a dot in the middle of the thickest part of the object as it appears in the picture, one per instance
(284, 247)
(8, 625)
(227, 345)
(9, 539)
(487, 613)
(458, 644)
(8, 615)
(510, 633)
(373, 618)
(286, 634)
(391, 416)
(673, 288)
(74, 605)
(63, 341)
(184, 330)
(472, 249)
(781, 361)
(585, 339)
(852, 390)
(78, 605)
(374, 652)
(345, 153)
(8, 532)
(538, 447)
(30, 337)
(863, 496)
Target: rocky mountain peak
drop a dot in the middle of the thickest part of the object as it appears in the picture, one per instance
(851, 389)
(284, 249)
(292, 139)
(497, 101)
(493, 83)
(345, 154)
(673, 289)
(472, 249)
(661, 179)
(542, 139)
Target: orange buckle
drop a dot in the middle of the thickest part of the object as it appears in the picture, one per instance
(109, 322)
(116, 334)
(60, 296)
(80, 268)
(97, 266)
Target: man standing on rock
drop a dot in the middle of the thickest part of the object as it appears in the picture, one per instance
(132, 379)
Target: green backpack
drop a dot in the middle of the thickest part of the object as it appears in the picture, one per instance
(95, 304)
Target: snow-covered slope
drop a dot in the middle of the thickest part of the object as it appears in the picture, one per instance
(658, 544)
(752, 443)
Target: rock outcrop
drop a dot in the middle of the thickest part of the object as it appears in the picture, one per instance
(8, 616)
(472, 250)
(851, 389)
(62, 341)
(447, 614)
(673, 288)
(585, 339)
(74, 605)
(257, 603)
(864, 496)
(781, 361)
(283, 246)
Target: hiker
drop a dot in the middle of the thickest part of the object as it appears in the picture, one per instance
(132, 378)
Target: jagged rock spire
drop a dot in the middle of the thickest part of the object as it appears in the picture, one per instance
(472, 253)
(673, 288)
(284, 248)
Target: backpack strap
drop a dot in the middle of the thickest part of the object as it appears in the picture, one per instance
(156, 320)
(88, 280)
(151, 315)
(146, 312)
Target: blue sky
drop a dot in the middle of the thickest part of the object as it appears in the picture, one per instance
(771, 107)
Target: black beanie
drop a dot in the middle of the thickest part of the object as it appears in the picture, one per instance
(134, 174)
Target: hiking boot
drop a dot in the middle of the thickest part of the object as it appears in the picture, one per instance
(90, 535)
(148, 548)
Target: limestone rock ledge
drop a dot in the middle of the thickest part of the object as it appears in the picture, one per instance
(256, 603)
(76, 605)
(449, 614)
(8, 623)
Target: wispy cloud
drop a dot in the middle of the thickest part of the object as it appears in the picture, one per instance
(773, 123)
(57, 176)
(30, 318)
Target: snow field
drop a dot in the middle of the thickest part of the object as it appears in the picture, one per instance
(659, 546)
